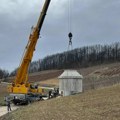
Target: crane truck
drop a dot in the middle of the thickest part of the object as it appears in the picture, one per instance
(21, 91)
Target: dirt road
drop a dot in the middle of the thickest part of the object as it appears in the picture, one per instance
(3, 109)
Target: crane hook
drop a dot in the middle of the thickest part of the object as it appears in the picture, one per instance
(70, 37)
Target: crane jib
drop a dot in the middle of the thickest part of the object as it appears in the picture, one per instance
(42, 15)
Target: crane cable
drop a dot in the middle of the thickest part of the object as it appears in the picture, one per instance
(69, 25)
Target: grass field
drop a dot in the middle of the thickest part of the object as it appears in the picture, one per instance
(102, 104)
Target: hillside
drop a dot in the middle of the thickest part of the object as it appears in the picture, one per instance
(40, 76)
(104, 70)
(102, 104)
(94, 77)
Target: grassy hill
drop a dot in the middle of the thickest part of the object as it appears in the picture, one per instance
(94, 77)
(104, 70)
(102, 104)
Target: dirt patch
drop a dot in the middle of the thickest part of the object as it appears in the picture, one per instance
(41, 76)
(3, 110)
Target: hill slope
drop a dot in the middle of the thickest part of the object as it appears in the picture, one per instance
(106, 70)
(102, 104)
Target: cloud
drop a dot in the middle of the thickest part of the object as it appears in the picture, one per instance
(17, 8)
(92, 21)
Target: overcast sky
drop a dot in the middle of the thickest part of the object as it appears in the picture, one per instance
(93, 22)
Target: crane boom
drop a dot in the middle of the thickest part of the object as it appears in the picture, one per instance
(23, 69)
(20, 83)
(42, 16)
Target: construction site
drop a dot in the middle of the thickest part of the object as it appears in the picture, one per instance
(77, 83)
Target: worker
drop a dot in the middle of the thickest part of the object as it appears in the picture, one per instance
(8, 103)
(50, 92)
(57, 91)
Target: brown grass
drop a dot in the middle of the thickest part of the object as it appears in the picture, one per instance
(53, 81)
(41, 76)
(102, 104)
(99, 71)
(3, 93)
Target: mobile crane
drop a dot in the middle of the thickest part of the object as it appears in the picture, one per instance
(21, 89)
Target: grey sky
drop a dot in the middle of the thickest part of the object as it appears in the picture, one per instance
(93, 22)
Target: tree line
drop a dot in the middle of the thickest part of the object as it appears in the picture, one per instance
(80, 57)
(3, 74)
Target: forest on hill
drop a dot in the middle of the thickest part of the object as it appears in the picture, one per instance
(3, 73)
(77, 58)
